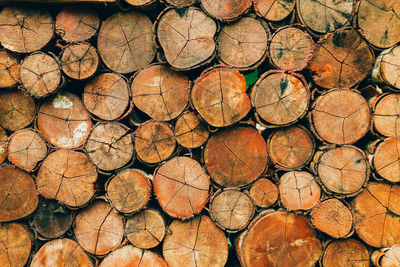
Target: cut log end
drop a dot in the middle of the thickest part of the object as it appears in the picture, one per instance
(386, 115)
(9, 69)
(273, 10)
(16, 243)
(385, 160)
(226, 11)
(79, 61)
(264, 193)
(133, 256)
(190, 131)
(341, 252)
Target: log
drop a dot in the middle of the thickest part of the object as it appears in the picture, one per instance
(61, 252)
(160, 92)
(243, 44)
(128, 191)
(3, 144)
(387, 68)
(386, 114)
(154, 141)
(278, 238)
(79, 61)
(75, 25)
(110, 145)
(18, 196)
(180, 3)
(378, 22)
(235, 156)
(219, 95)
(125, 42)
(385, 159)
(333, 217)
(291, 48)
(16, 243)
(377, 215)
(98, 229)
(67, 176)
(226, 11)
(17, 110)
(186, 37)
(299, 190)
(190, 130)
(345, 252)
(9, 69)
(280, 99)
(107, 96)
(386, 257)
(340, 116)
(341, 59)
(291, 148)
(64, 121)
(52, 220)
(273, 10)
(264, 193)
(145, 229)
(131, 256)
(181, 187)
(196, 242)
(341, 171)
(25, 29)
(26, 148)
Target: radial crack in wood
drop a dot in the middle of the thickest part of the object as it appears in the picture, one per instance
(190, 131)
(274, 10)
(264, 193)
(347, 252)
(386, 115)
(15, 244)
(9, 69)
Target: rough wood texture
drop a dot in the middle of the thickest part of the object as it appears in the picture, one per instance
(347, 252)
(219, 95)
(125, 42)
(385, 160)
(160, 92)
(226, 10)
(264, 193)
(235, 156)
(387, 68)
(340, 116)
(9, 69)
(186, 37)
(180, 3)
(386, 115)
(197, 242)
(274, 10)
(386, 257)
(16, 243)
(25, 29)
(3, 144)
(190, 131)
(79, 61)
(181, 186)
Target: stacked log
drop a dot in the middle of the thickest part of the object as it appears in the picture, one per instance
(200, 133)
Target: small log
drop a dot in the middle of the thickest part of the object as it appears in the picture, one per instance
(378, 22)
(386, 257)
(186, 37)
(385, 160)
(332, 217)
(16, 243)
(341, 171)
(324, 16)
(125, 42)
(128, 191)
(24, 29)
(26, 148)
(299, 190)
(67, 176)
(18, 196)
(160, 92)
(17, 110)
(190, 131)
(9, 69)
(219, 95)
(98, 229)
(154, 141)
(243, 44)
(64, 121)
(226, 11)
(387, 68)
(340, 116)
(231, 209)
(274, 10)
(235, 156)
(141, 3)
(61, 252)
(180, 3)
(264, 193)
(376, 213)
(344, 253)
(181, 186)
(133, 256)
(75, 25)
(291, 148)
(79, 61)
(198, 242)
(278, 239)
(291, 48)
(386, 115)
(107, 96)
(3, 144)
(279, 98)
(52, 220)
(110, 145)
(341, 59)
(145, 229)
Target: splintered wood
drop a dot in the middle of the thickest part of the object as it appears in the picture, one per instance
(200, 133)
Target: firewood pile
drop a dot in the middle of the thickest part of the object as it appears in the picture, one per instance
(200, 133)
